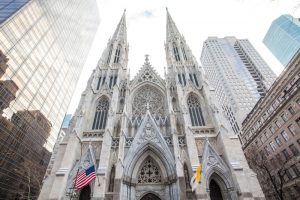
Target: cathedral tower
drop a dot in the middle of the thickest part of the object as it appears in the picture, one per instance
(149, 134)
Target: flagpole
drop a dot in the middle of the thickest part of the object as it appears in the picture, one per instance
(94, 162)
(80, 142)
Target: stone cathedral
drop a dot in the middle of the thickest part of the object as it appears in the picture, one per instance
(149, 134)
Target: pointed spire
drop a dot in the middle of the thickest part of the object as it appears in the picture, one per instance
(121, 30)
(172, 30)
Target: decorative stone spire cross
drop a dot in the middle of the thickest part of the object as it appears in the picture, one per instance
(147, 59)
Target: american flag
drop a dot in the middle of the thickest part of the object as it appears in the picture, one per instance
(85, 177)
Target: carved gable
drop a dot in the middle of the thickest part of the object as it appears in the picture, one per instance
(149, 133)
(212, 162)
(147, 74)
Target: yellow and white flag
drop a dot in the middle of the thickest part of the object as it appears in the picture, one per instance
(196, 179)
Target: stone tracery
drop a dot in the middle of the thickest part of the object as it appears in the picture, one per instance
(148, 96)
(149, 173)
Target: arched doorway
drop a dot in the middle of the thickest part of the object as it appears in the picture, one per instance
(215, 191)
(85, 193)
(150, 196)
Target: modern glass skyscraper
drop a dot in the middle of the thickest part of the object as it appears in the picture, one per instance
(9, 7)
(238, 74)
(44, 45)
(283, 38)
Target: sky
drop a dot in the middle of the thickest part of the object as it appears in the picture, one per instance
(196, 20)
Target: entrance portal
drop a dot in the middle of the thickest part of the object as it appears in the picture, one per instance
(150, 196)
(85, 193)
(215, 191)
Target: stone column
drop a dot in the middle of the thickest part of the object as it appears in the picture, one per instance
(99, 191)
(59, 185)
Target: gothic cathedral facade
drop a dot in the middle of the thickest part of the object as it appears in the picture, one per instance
(149, 134)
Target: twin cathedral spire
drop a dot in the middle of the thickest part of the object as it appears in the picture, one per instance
(148, 133)
(116, 52)
(182, 66)
(183, 70)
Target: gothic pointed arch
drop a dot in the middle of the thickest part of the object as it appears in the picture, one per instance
(101, 113)
(195, 110)
(150, 196)
(85, 193)
(217, 187)
(215, 168)
(149, 172)
(149, 142)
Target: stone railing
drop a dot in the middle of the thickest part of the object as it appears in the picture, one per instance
(199, 130)
(129, 141)
(93, 134)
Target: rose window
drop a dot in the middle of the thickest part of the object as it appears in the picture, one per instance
(148, 97)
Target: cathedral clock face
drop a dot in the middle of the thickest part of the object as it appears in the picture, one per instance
(150, 98)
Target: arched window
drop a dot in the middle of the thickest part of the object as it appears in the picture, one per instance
(195, 111)
(111, 81)
(183, 78)
(178, 127)
(186, 176)
(196, 81)
(121, 105)
(175, 49)
(112, 179)
(99, 83)
(174, 104)
(109, 54)
(183, 51)
(117, 54)
(101, 114)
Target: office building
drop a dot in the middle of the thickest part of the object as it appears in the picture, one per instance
(283, 38)
(238, 74)
(9, 8)
(44, 46)
(271, 136)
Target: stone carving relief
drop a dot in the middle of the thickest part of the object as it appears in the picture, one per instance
(148, 134)
(211, 161)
